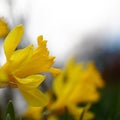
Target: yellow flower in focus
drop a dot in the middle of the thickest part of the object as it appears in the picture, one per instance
(76, 84)
(4, 29)
(23, 66)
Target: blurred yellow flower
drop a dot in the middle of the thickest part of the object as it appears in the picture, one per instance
(76, 84)
(23, 66)
(4, 29)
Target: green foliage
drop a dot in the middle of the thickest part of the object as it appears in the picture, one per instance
(108, 108)
(8, 117)
(10, 114)
(66, 117)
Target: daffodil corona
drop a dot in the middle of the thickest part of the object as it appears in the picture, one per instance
(22, 67)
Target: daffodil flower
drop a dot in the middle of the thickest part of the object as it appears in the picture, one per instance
(76, 84)
(22, 67)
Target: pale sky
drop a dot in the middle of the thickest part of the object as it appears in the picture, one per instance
(64, 22)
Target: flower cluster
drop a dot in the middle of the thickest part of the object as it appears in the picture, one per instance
(78, 83)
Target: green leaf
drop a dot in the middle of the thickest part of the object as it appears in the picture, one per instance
(10, 114)
(8, 117)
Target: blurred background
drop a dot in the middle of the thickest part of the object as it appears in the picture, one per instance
(88, 30)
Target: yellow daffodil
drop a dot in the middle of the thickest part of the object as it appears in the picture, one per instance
(4, 29)
(76, 84)
(22, 67)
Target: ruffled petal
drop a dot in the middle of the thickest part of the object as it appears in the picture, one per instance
(40, 60)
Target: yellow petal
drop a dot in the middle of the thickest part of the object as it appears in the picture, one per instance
(70, 64)
(58, 105)
(66, 82)
(40, 60)
(12, 40)
(34, 113)
(89, 93)
(53, 117)
(40, 39)
(30, 82)
(42, 46)
(34, 97)
(95, 74)
(75, 111)
(55, 71)
(3, 79)
(4, 29)
(37, 64)
(58, 85)
(19, 59)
